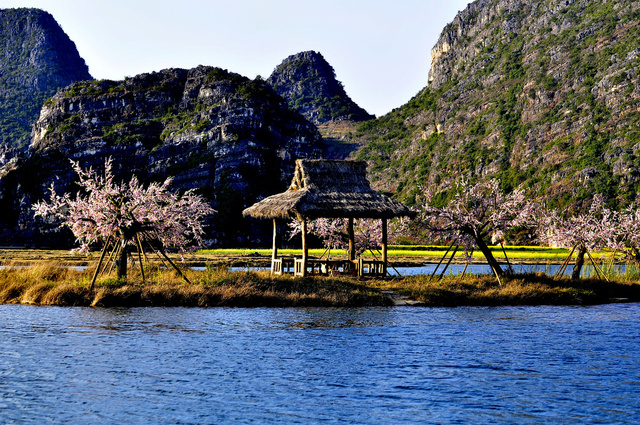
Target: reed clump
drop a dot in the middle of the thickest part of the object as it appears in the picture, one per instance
(522, 289)
(51, 284)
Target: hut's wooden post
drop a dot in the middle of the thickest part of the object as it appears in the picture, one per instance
(305, 249)
(384, 247)
(352, 243)
(274, 251)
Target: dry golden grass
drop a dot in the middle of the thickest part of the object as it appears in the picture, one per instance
(529, 289)
(49, 284)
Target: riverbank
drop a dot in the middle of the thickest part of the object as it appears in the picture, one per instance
(519, 289)
(49, 284)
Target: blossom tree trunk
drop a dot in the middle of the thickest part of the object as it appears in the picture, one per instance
(122, 260)
(636, 255)
(577, 267)
(493, 263)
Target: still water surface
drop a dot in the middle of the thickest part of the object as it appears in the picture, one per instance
(398, 365)
(472, 269)
(475, 269)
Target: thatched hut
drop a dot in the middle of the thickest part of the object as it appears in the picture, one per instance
(333, 189)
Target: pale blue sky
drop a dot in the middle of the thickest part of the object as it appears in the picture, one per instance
(380, 50)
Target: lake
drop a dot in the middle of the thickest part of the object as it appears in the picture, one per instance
(471, 269)
(480, 268)
(390, 365)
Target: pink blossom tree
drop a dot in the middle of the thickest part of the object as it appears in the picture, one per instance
(127, 213)
(477, 214)
(628, 236)
(597, 228)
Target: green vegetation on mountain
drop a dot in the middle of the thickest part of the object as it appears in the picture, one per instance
(540, 93)
(36, 60)
(309, 85)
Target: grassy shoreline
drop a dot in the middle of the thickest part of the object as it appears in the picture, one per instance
(519, 289)
(47, 283)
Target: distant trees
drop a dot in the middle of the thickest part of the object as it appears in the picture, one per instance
(122, 214)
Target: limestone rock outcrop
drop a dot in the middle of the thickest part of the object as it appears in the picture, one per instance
(541, 93)
(231, 138)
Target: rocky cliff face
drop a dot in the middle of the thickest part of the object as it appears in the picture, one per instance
(544, 93)
(309, 84)
(232, 138)
(36, 60)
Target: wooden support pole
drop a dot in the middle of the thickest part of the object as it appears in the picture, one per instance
(176, 267)
(140, 252)
(104, 251)
(384, 247)
(305, 248)
(597, 268)
(504, 251)
(465, 266)
(274, 252)
(161, 250)
(449, 262)
(146, 260)
(613, 260)
(352, 242)
(116, 252)
(155, 251)
(109, 263)
(327, 251)
(496, 273)
(564, 265)
(441, 260)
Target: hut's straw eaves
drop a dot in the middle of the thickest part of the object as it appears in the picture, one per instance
(333, 189)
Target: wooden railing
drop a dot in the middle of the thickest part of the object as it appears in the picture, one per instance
(371, 267)
(361, 267)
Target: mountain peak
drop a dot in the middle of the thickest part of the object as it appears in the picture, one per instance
(37, 58)
(309, 85)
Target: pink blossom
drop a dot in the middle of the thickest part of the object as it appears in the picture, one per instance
(105, 209)
(477, 213)
(595, 229)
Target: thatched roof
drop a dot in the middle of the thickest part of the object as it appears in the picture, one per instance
(334, 189)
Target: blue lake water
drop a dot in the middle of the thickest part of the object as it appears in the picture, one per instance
(396, 365)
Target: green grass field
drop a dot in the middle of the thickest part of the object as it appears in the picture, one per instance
(513, 252)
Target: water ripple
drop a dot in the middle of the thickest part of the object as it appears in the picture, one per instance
(571, 365)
